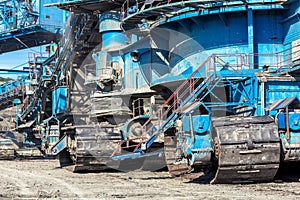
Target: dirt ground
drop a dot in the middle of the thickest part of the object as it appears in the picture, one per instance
(44, 179)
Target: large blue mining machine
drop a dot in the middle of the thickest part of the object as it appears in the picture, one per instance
(23, 24)
(189, 84)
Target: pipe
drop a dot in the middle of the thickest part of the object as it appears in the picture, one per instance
(192, 128)
(287, 123)
(262, 98)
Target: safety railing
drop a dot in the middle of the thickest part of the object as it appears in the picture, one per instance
(93, 74)
(12, 89)
(238, 63)
(18, 15)
(204, 78)
(204, 73)
(191, 87)
(37, 57)
(132, 7)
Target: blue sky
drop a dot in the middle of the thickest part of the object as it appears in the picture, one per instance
(13, 59)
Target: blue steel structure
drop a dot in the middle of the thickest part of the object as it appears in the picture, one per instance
(23, 24)
(200, 83)
(27, 23)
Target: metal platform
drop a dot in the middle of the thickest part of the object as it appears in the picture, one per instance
(25, 24)
(86, 6)
(26, 38)
(139, 12)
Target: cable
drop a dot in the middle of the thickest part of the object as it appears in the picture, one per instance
(20, 65)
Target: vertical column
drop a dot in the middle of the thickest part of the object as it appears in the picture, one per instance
(250, 30)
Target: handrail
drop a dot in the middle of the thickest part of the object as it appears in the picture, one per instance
(200, 79)
(205, 73)
(188, 86)
(145, 5)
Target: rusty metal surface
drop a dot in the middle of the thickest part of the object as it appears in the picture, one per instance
(94, 147)
(8, 146)
(248, 151)
(170, 149)
(7, 154)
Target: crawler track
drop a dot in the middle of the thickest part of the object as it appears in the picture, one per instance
(94, 146)
(170, 155)
(245, 149)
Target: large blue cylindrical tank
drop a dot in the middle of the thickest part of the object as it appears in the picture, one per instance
(111, 32)
(112, 39)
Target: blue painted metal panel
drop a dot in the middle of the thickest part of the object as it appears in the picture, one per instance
(295, 138)
(134, 78)
(201, 124)
(281, 121)
(199, 147)
(59, 100)
(291, 23)
(202, 141)
(294, 121)
(280, 90)
(113, 39)
(51, 18)
(267, 27)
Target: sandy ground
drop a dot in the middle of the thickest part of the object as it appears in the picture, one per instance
(44, 179)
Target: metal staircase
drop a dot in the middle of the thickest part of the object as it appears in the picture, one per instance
(187, 97)
(80, 29)
(191, 93)
(215, 71)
